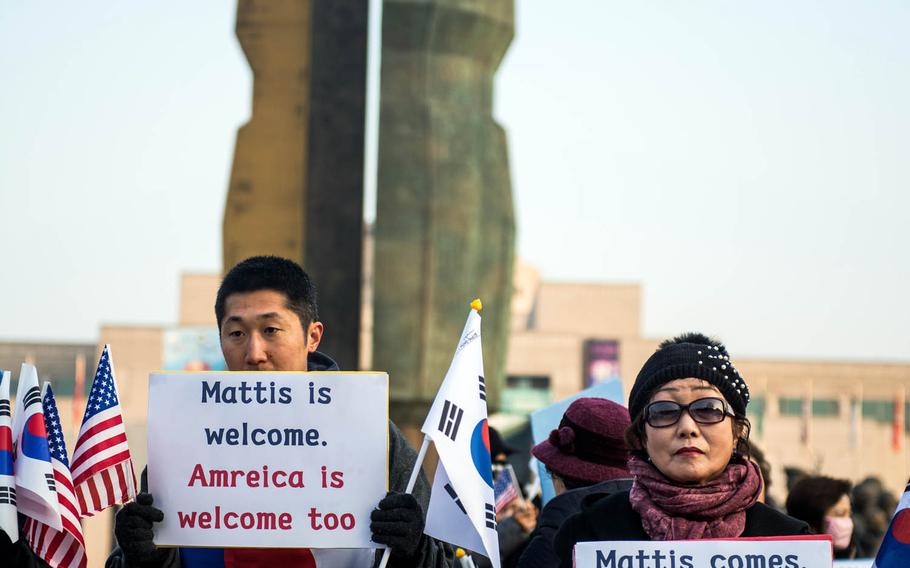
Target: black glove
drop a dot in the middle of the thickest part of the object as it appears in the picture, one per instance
(398, 524)
(133, 527)
(7, 547)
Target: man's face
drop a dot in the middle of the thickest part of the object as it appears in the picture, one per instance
(259, 333)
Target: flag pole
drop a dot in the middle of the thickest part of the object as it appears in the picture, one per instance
(477, 306)
(418, 464)
(463, 559)
(411, 483)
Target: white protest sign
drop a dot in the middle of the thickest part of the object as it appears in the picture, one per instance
(267, 459)
(779, 552)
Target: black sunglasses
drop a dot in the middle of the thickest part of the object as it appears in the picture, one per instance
(665, 413)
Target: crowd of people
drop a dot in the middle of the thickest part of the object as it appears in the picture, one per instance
(677, 464)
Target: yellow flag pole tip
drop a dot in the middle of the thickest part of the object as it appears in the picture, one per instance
(477, 305)
(459, 553)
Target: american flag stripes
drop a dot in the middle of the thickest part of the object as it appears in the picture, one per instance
(102, 466)
(66, 548)
(505, 488)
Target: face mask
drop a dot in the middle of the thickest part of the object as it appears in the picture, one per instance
(841, 528)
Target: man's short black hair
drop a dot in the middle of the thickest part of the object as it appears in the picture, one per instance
(271, 273)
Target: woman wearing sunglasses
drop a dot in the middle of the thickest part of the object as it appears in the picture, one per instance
(692, 478)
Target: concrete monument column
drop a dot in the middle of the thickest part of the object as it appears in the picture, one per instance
(296, 186)
(444, 224)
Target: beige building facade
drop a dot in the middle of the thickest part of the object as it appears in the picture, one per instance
(845, 419)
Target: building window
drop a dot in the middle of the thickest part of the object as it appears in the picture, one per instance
(878, 410)
(820, 407)
(756, 407)
(756, 414)
(791, 407)
(525, 393)
(825, 407)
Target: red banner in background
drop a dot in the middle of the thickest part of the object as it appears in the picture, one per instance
(897, 426)
(79, 387)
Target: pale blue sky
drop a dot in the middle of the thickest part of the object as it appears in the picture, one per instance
(743, 161)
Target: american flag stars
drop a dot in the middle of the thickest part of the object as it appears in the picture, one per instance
(103, 394)
(55, 434)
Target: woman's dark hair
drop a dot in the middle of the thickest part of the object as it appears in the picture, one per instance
(635, 437)
(271, 273)
(758, 456)
(570, 482)
(810, 497)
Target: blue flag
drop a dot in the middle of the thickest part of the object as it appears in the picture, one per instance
(895, 548)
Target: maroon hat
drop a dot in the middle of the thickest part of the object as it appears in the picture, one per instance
(589, 444)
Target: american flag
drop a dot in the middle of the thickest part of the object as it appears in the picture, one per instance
(66, 548)
(102, 466)
(505, 488)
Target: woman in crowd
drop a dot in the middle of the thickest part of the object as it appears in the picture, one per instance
(824, 503)
(692, 478)
(873, 506)
(585, 455)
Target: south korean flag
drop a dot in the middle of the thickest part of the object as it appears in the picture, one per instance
(461, 509)
(8, 521)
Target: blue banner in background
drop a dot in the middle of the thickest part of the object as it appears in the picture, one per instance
(548, 417)
(193, 349)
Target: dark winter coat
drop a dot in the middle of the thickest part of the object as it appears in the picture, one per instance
(18, 554)
(612, 518)
(431, 553)
(539, 553)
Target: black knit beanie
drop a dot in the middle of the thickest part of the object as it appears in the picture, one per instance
(691, 355)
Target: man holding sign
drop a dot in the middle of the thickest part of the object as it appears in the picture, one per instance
(267, 317)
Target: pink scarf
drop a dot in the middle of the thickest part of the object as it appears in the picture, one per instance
(717, 509)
